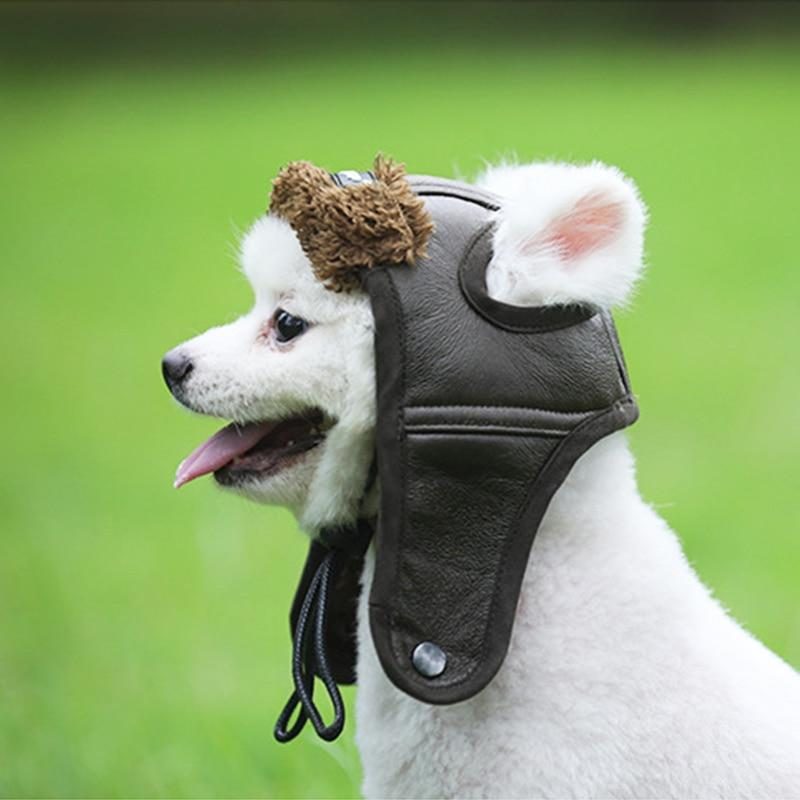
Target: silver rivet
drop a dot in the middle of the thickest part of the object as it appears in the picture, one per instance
(429, 659)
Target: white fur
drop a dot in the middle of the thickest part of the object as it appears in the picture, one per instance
(241, 375)
(545, 206)
(624, 678)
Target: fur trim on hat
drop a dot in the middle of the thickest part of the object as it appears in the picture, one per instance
(345, 230)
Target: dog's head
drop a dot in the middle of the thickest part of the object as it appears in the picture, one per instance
(295, 376)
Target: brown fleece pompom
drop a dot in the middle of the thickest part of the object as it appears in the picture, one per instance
(344, 230)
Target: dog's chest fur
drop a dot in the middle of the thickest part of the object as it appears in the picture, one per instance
(624, 677)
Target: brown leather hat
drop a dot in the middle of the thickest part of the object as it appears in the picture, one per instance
(483, 409)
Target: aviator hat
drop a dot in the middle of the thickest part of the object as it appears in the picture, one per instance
(482, 410)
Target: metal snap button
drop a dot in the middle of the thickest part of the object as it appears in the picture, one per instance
(429, 659)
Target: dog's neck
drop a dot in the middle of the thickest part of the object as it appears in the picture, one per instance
(599, 552)
(600, 489)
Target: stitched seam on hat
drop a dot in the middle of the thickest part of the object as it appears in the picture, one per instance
(477, 427)
(432, 188)
(616, 349)
(400, 330)
(513, 408)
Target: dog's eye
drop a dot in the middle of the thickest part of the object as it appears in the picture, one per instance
(288, 327)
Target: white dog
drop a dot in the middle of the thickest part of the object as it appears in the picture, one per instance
(624, 677)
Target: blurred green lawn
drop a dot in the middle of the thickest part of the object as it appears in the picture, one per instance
(143, 635)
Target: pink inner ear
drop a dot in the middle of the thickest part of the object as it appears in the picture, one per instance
(592, 223)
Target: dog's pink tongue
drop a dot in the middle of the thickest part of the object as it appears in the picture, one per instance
(222, 447)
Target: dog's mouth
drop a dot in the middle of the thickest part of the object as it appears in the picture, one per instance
(256, 450)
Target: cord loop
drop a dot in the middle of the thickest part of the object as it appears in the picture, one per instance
(310, 661)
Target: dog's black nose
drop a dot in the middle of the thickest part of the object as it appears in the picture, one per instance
(176, 366)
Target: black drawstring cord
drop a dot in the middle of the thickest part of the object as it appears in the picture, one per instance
(309, 660)
(309, 656)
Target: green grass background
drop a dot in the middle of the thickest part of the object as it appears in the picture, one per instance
(143, 635)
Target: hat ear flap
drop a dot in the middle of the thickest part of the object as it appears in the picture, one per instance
(347, 229)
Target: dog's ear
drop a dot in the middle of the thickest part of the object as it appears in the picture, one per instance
(565, 234)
